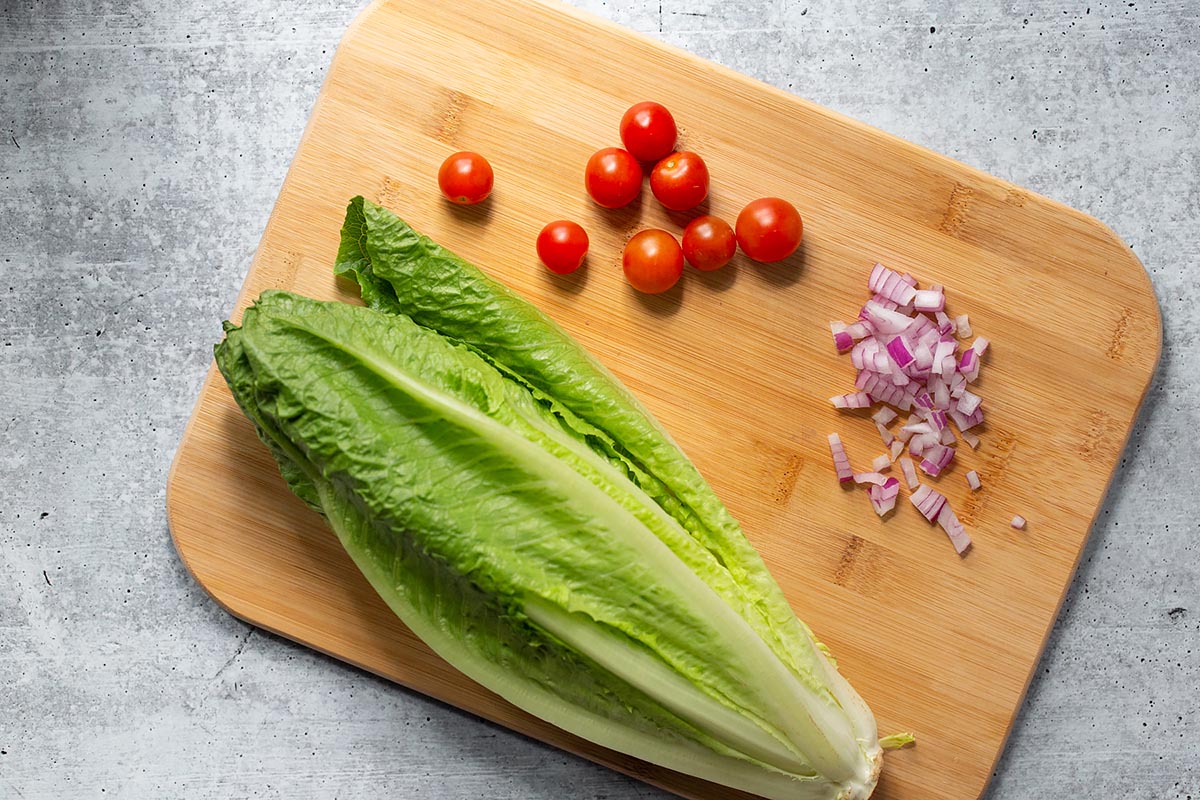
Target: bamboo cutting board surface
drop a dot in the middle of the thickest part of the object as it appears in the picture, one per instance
(737, 364)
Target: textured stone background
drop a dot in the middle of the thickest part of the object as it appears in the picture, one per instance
(141, 147)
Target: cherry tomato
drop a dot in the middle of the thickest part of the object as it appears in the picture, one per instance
(613, 177)
(680, 181)
(648, 131)
(561, 246)
(653, 261)
(465, 178)
(708, 243)
(769, 229)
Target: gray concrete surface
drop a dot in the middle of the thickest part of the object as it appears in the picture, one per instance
(141, 147)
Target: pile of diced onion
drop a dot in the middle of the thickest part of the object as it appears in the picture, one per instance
(905, 348)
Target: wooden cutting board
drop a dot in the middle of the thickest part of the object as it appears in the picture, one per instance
(737, 364)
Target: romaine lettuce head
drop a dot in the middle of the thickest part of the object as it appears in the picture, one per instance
(522, 513)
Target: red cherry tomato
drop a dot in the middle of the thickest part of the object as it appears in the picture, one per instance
(562, 245)
(653, 261)
(680, 181)
(648, 131)
(708, 243)
(613, 177)
(769, 229)
(465, 178)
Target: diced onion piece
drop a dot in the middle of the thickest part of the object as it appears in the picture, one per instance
(970, 439)
(841, 462)
(954, 529)
(885, 434)
(973, 480)
(910, 472)
(883, 496)
(870, 477)
(946, 326)
(946, 436)
(980, 345)
(855, 400)
(843, 341)
(968, 365)
(936, 458)
(1018, 522)
(897, 448)
(928, 501)
(882, 463)
(883, 320)
(967, 403)
(964, 326)
(884, 416)
(890, 285)
(929, 300)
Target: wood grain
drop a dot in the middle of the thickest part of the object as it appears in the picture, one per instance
(736, 364)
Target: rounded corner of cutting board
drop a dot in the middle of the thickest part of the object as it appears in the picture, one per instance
(178, 476)
(1128, 261)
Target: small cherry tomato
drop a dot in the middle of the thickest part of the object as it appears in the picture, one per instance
(708, 243)
(648, 131)
(613, 177)
(653, 261)
(680, 181)
(769, 229)
(562, 245)
(466, 178)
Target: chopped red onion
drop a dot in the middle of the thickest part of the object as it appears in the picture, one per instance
(841, 462)
(967, 403)
(954, 529)
(890, 285)
(1018, 522)
(929, 300)
(964, 326)
(883, 496)
(885, 434)
(858, 330)
(883, 320)
(958, 385)
(929, 502)
(856, 400)
(907, 358)
(898, 349)
(910, 472)
(969, 364)
(936, 458)
(884, 416)
(965, 422)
